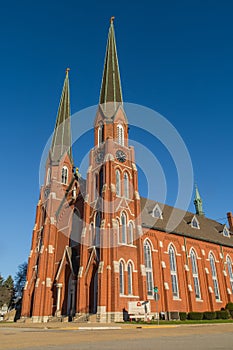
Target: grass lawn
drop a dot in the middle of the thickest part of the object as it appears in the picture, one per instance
(161, 322)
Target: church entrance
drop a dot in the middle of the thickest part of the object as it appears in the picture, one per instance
(93, 292)
(71, 298)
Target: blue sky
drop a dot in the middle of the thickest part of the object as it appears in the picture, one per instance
(175, 57)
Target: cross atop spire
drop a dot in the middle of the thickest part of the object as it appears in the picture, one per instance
(61, 143)
(111, 82)
(198, 202)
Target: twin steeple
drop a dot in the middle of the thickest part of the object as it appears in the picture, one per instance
(110, 92)
(61, 143)
(111, 82)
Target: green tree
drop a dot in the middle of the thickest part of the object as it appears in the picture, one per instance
(20, 279)
(1, 280)
(7, 292)
(9, 283)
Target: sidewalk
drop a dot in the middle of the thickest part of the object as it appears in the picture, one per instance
(81, 326)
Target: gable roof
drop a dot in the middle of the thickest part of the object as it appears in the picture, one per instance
(67, 256)
(210, 230)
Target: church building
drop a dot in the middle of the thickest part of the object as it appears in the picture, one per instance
(97, 245)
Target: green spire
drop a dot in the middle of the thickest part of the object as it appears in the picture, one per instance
(111, 82)
(198, 202)
(61, 143)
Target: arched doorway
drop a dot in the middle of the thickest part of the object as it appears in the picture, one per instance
(93, 292)
(71, 297)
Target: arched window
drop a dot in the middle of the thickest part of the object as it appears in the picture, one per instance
(76, 231)
(130, 278)
(95, 186)
(48, 177)
(123, 228)
(64, 175)
(130, 233)
(121, 275)
(173, 271)
(148, 266)
(101, 181)
(118, 183)
(91, 234)
(97, 229)
(100, 134)
(120, 134)
(230, 273)
(126, 185)
(74, 192)
(195, 274)
(214, 276)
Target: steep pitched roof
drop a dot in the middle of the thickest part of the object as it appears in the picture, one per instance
(210, 230)
(111, 82)
(61, 142)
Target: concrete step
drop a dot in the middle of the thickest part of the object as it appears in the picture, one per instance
(92, 318)
(81, 318)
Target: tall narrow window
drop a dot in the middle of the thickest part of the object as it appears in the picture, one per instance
(121, 275)
(95, 186)
(48, 177)
(74, 192)
(120, 134)
(173, 271)
(97, 229)
(100, 134)
(91, 234)
(230, 272)
(214, 276)
(195, 274)
(118, 230)
(148, 266)
(130, 278)
(123, 228)
(130, 233)
(64, 175)
(76, 231)
(101, 181)
(118, 183)
(126, 185)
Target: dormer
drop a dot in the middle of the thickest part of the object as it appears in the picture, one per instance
(225, 231)
(157, 212)
(195, 223)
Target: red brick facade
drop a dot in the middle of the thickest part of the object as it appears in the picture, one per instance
(91, 251)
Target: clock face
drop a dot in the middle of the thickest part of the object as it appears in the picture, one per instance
(121, 156)
(99, 157)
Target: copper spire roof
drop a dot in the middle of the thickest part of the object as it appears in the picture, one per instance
(61, 142)
(198, 202)
(111, 82)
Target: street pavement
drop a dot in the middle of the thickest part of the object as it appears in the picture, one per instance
(129, 337)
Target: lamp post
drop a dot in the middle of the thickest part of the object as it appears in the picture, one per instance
(156, 298)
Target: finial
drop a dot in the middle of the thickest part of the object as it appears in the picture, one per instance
(67, 70)
(112, 19)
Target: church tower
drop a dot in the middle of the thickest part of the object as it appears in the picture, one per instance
(51, 237)
(110, 261)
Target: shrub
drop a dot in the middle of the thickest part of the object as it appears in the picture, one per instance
(229, 306)
(195, 315)
(223, 314)
(183, 316)
(209, 315)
